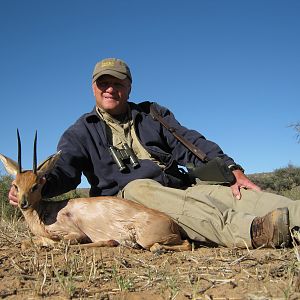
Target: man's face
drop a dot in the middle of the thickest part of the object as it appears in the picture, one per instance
(112, 93)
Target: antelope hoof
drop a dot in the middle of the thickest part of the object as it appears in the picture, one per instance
(112, 243)
(156, 248)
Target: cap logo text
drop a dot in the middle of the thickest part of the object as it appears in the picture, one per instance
(107, 64)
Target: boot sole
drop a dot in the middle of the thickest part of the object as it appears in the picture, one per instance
(282, 237)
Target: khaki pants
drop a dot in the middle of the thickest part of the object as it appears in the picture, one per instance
(209, 213)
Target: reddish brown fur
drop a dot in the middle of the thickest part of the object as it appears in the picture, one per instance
(98, 221)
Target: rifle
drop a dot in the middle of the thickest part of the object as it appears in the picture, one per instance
(214, 170)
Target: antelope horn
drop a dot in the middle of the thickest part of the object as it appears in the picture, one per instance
(19, 152)
(34, 154)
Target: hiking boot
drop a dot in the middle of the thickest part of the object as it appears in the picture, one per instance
(272, 230)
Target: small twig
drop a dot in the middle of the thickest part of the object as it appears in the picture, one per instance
(7, 238)
(17, 266)
(44, 274)
(244, 256)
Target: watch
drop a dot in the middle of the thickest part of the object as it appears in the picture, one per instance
(236, 167)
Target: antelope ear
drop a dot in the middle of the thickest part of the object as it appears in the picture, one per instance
(48, 164)
(10, 165)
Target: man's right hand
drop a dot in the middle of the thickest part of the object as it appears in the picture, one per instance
(12, 196)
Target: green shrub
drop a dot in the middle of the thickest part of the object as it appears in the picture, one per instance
(280, 180)
(7, 211)
(293, 193)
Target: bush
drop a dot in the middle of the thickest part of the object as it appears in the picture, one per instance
(280, 180)
(293, 194)
(7, 211)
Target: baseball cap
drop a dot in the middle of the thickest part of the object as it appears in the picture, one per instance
(111, 66)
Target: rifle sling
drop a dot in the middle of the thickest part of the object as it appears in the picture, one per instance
(196, 151)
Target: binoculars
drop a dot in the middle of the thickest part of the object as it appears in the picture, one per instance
(120, 156)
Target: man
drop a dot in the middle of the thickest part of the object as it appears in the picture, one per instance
(124, 151)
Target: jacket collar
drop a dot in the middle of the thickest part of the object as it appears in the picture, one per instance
(93, 115)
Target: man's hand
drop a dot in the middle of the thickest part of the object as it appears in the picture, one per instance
(12, 196)
(242, 181)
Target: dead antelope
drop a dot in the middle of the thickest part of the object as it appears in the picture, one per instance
(97, 221)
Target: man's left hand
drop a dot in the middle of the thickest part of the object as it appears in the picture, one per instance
(242, 181)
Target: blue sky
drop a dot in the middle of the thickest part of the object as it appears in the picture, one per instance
(229, 69)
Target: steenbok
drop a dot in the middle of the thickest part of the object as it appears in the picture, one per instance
(97, 221)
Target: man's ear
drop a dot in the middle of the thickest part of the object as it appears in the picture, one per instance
(93, 88)
(129, 88)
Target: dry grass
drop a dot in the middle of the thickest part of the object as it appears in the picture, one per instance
(67, 272)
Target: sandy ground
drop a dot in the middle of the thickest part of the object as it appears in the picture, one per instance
(67, 272)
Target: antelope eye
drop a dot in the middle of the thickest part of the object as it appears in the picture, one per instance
(15, 187)
(34, 188)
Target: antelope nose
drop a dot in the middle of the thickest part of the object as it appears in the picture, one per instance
(24, 203)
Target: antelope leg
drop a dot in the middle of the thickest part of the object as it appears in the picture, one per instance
(184, 246)
(37, 241)
(109, 243)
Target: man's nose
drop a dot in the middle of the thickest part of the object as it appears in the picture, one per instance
(110, 88)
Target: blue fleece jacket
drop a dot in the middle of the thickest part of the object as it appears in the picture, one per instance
(85, 146)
